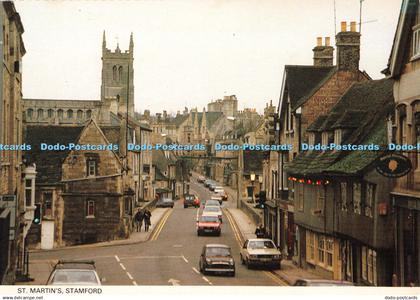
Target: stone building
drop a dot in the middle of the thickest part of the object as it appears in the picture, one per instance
(17, 179)
(306, 93)
(228, 106)
(86, 195)
(404, 67)
(117, 89)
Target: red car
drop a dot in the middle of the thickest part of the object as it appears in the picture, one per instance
(209, 224)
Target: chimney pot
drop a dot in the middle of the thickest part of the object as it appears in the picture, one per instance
(344, 26)
(319, 41)
(327, 41)
(353, 26)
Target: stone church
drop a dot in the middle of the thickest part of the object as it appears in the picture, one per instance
(89, 196)
(117, 89)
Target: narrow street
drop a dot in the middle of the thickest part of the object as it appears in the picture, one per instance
(170, 257)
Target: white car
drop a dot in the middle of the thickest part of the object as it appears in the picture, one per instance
(260, 252)
(221, 191)
(213, 211)
(217, 197)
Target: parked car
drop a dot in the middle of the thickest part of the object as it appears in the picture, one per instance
(211, 202)
(217, 197)
(165, 202)
(217, 258)
(72, 272)
(213, 211)
(201, 179)
(321, 282)
(208, 224)
(260, 252)
(191, 200)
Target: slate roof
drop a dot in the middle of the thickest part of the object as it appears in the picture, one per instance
(375, 99)
(303, 81)
(179, 119)
(48, 163)
(160, 161)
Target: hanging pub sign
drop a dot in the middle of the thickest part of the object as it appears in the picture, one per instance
(393, 165)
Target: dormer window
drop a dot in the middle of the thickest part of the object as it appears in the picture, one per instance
(338, 136)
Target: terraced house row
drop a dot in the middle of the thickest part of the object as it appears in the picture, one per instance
(332, 211)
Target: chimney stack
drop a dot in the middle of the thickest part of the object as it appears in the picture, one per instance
(323, 54)
(348, 48)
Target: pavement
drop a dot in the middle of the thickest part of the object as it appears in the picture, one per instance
(135, 237)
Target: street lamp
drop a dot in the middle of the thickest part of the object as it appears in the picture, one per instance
(252, 180)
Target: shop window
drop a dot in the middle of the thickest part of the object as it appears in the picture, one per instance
(369, 265)
(311, 246)
(321, 250)
(329, 251)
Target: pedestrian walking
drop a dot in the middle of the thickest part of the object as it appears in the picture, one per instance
(139, 220)
(147, 216)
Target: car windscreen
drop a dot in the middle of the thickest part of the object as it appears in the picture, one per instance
(212, 208)
(261, 245)
(217, 251)
(74, 276)
(167, 200)
(189, 197)
(208, 219)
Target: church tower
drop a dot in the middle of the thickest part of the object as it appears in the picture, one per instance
(117, 77)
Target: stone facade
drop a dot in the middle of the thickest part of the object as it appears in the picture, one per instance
(16, 198)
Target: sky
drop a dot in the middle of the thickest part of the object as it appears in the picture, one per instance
(187, 53)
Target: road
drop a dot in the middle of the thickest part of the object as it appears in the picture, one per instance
(170, 257)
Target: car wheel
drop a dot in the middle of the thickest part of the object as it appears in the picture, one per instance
(185, 206)
(198, 233)
(219, 233)
(248, 265)
(242, 259)
(232, 274)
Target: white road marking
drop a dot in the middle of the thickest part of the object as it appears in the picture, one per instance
(134, 283)
(173, 281)
(149, 257)
(117, 258)
(177, 246)
(183, 257)
(196, 271)
(206, 280)
(129, 276)
(122, 266)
